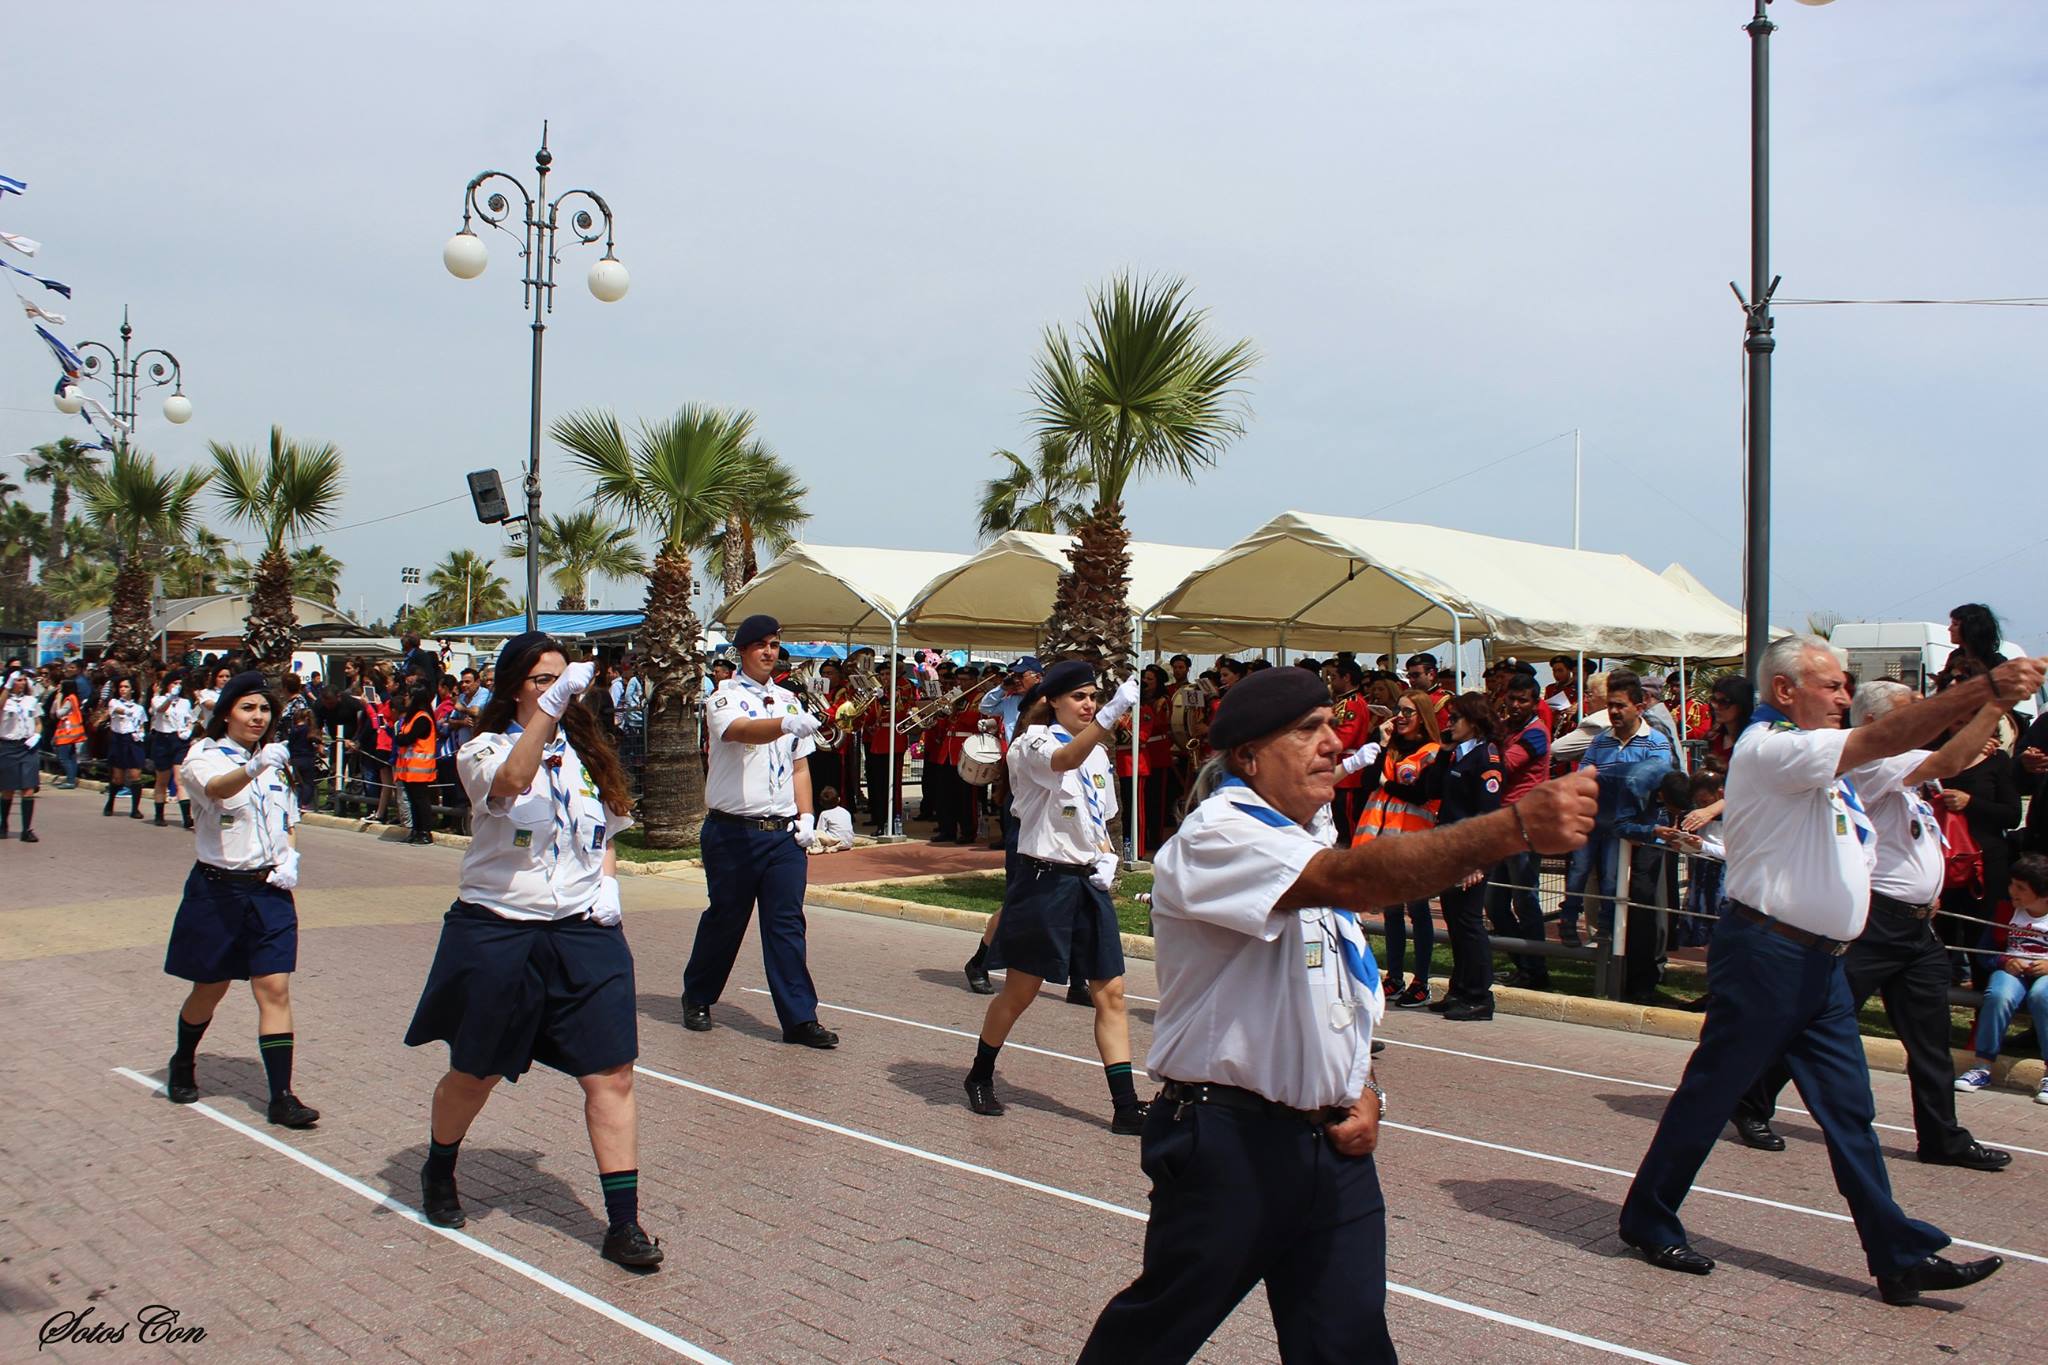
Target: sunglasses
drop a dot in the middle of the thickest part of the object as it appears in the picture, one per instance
(1405, 711)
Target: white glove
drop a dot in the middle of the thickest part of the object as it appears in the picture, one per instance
(575, 680)
(285, 875)
(1113, 710)
(605, 910)
(802, 725)
(1104, 875)
(1360, 760)
(806, 828)
(277, 755)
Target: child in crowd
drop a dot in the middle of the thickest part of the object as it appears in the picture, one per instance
(2022, 974)
(835, 824)
(1697, 795)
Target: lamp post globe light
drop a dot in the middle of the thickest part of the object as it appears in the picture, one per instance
(1757, 345)
(126, 376)
(465, 255)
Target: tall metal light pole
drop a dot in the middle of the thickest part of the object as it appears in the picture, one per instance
(125, 376)
(465, 257)
(1757, 344)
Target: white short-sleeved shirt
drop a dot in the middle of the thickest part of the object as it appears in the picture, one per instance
(1061, 817)
(125, 717)
(835, 826)
(752, 779)
(1793, 846)
(247, 830)
(171, 715)
(21, 718)
(202, 705)
(1910, 860)
(540, 854)
(1246, 991)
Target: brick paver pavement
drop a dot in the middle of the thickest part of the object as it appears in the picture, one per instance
(803, 1235)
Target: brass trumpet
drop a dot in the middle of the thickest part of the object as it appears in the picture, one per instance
(924, 713)
(808, 682)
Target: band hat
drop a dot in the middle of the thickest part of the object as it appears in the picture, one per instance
(238, 687)
(755, 629)
(1267, 701)
(1068, 675)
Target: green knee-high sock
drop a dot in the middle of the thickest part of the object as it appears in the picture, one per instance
(277, 1061)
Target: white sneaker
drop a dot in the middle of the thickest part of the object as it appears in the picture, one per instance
(1975, 1079)
(2041, 1095)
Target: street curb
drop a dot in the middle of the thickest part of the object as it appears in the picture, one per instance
(2021, 1074)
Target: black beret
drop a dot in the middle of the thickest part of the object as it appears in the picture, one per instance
(1068, 675)
(755, 629)
(512, 652)
(236, 688)
(1268, 700)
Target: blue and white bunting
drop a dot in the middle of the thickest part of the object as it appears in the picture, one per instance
(54, 286)
(27, 246)
(9, 185)
(37, 313)
(72, 362)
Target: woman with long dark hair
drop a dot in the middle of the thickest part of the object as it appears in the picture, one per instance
(412, 764)
(126, 721)
(1471, 765)
(172, 719)
(1973, 629)
(21, 732)
(533, 964)
(1731, 699)
(1406, 787)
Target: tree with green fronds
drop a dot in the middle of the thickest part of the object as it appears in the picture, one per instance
(202, 565)
(60, 463)
(316, 574)
(578, 547)
(767, 515)
(281, 492)
(144, 512)
(1142, 391)
(1046, 493)
(677, 479)
(465, 587)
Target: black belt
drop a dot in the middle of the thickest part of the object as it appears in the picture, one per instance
(1833, 947)
(1057, 869)
(779, 823)
(1184, 1093)
(228, 874)
(1880, 901)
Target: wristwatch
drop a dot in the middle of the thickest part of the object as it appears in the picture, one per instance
(1374, 1086)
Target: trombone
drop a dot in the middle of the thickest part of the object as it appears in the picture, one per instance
(926, 712)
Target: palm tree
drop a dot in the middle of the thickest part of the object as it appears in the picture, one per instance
(23, 534)
(87, 581)
(8, 488)
(1045, 493)
(280, 493)
(143, 511)
(1142, 390)
(678, 479)
(578, 546)
(316, 574)
(59, 463)
(464, 587)
(768, 513)
(199, 567)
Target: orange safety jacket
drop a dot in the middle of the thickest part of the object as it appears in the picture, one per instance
(416, 760)
(1386, 813)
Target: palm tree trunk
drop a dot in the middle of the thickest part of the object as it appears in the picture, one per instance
(60, 510)
(128, 627)
(734, 566)
(1091, 612)
(273, 630)
(750, 564)
(672, 797)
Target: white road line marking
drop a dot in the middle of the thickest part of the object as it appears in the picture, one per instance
(1612, 1080)
(1470, 1141)
(1104, 1206)
(657, 1335)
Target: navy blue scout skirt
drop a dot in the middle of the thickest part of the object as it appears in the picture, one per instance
(231, 927)
(506, 993)
(1054, 919)
(17, 766)
(166, 750)
(124, 751)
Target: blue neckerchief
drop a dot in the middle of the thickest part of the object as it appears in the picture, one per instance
(1088, 791)
(1859, 819)
(1358, 962)
(559, 805)
(235, 751)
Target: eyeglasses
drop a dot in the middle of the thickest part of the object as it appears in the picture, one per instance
(542, 680)
(1405, 711)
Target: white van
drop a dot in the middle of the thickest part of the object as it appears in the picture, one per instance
(1911, 652)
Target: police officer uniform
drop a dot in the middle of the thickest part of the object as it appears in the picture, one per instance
(1262, 1038)
(1899, 957)
(1800, 851)
(753, 841)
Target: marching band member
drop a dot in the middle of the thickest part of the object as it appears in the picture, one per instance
(1260, 1143)
(237, 921)
(757, 829)
(1057, 910)
(533, 965)
(21, 728)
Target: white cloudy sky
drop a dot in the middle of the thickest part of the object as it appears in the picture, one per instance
(1453, 229)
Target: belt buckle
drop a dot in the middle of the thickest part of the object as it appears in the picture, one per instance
(1836, 947)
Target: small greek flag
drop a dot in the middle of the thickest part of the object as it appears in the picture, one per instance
(72, 362)
(52, 285)
(9, 185)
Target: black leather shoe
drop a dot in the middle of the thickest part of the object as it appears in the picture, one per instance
(1444, 1005)
(977, 974)
(181, 1083)
(631, 1247)
(29, 836)
(1758, 1134)
(1077, 993)
(1975, 1157)
(440, 1203)
(696, 1018)
(981, 1098)
(1469, 1011)
(1129, 1119)
(812, 1034)
(1378, 1046)
(1679, 1257)
(287, 1112)
(1935, 1273)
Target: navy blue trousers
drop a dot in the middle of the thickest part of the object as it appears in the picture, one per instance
(747, 867)
(1237, 1198)
(1772, 998)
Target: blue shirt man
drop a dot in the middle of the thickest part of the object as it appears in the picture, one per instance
(1632, 759)
(1003, 703)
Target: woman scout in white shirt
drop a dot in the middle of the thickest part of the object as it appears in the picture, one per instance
(1263, 1039)
(125, 722)
(1057, 910)
(237, 920)
(533, 964)
(172, 719)
(21, 728)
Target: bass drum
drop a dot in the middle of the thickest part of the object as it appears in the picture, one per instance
(981, 759)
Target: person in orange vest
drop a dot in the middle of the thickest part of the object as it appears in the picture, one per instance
(1404, 800)
(413, 764)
